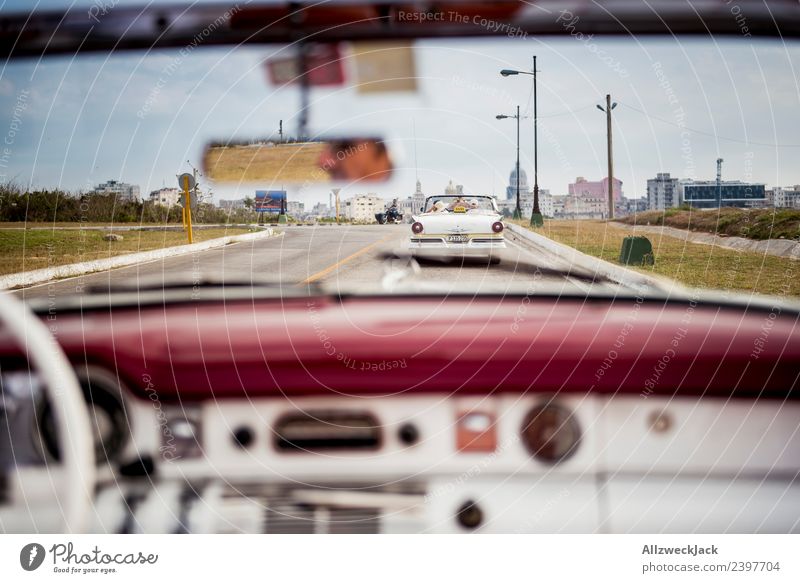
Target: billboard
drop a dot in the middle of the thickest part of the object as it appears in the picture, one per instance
(270, 201)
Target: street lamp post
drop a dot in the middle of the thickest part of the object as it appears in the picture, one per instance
(518, 209)
(536, 215)
(609, 106)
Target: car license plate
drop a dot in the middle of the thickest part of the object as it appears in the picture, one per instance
(457, 238)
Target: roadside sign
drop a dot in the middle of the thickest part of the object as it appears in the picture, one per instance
(269, 201)
(181, 179)
(193, 199)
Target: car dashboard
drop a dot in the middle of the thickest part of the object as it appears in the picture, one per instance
(415, 414)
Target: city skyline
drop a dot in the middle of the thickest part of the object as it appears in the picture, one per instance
(674, 99)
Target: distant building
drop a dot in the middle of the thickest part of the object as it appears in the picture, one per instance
(362, 208)
(454, 188)
(418, 198)
(559, 203)
(786, 196)
(295, 208)
(511, 189)
(525, 195)
(321, 211)
(629, 206)
(708, 194)
(663, 192)
(121, 190)
(409, 206)
(545, 203)
(165, 196)
(592, 189)
(588, 199)
(230, 205)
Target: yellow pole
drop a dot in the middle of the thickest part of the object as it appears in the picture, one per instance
(188, 209)
(183, 217)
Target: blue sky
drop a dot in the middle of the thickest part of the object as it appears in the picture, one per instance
(79, 125)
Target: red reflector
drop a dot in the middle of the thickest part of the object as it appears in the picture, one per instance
(476, 431)
(416, 228)
(497, 227)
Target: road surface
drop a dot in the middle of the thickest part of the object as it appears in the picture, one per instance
(341, 257)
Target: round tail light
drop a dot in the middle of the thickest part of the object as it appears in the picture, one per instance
(497, 227)
(551, 433)
(416, 228)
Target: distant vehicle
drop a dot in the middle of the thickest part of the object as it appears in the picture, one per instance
(465, 225)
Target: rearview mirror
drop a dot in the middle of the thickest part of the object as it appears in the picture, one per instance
(298, 161)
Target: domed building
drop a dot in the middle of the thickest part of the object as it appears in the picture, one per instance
(525, 196)
(511, 189)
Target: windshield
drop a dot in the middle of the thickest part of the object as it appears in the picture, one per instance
(703, 134)
(459, 203)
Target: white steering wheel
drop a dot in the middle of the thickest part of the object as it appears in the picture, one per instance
(71, 414)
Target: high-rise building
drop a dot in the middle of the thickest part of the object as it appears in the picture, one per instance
(121, 190)
(663, 192)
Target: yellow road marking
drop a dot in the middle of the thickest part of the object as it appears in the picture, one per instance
(335, 266)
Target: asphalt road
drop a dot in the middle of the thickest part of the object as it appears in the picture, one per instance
(342, 257)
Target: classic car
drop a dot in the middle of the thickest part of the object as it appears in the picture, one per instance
(458, 225)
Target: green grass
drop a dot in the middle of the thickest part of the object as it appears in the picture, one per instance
(704, 266)
(758, 224)
(24, 250)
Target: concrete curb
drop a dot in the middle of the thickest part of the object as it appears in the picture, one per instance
(637, 281)
(26, 278)
(786, 248)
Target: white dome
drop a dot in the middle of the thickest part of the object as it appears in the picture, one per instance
(523, 179)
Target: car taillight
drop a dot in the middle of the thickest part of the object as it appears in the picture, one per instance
(497, 227)
(416, 228)
(551, 433)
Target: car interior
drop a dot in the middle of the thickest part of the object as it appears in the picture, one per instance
(254, 406)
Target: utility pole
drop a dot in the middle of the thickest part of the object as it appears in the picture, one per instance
(610, 159)
(609, 106)
(536, 216)
(518, 210)
(280, 131)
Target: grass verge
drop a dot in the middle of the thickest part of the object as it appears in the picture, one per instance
(692, 264)
(757, 224)
(25, 250)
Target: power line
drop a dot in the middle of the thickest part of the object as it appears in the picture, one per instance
(709, 134)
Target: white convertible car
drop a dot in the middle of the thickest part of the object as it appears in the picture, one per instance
(458, 225)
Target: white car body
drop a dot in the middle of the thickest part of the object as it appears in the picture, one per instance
(462, 231)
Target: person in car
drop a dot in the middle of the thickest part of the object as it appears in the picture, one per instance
(438, 207)
(457, 202)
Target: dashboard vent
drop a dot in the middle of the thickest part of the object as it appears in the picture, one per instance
(303, 519)
(315, 431)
